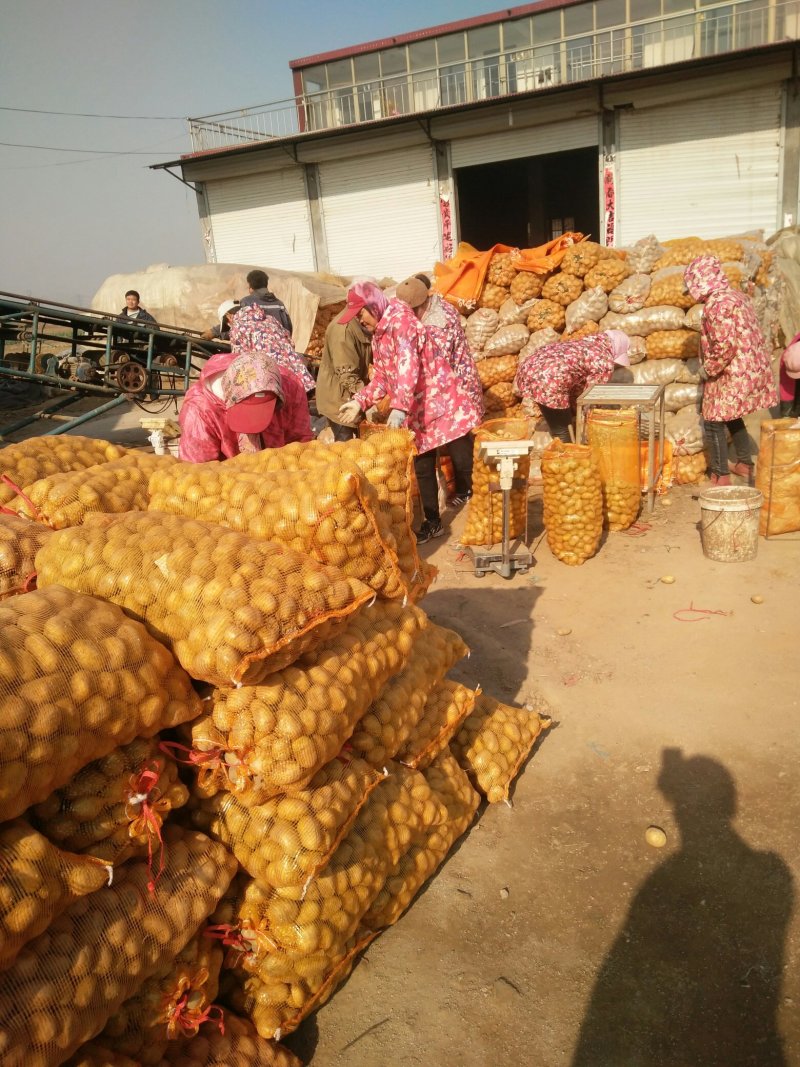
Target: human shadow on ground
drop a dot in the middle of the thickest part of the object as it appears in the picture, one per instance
(694, 977)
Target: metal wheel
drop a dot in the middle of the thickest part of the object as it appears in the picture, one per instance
(132, 378)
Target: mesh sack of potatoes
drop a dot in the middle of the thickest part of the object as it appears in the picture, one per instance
(452, 786)
(656, 371)
(586, 330)
(672, 344)
(493, 296)
(679, 395)
(590, 306)
(278, 1006)
(682, 251)
(498, 398)
(572, 502)
(607, 275)
(329, 513)
(562, 288)
(66, 983)
(546, 313)
(689, 470)
(643, 256)
(325, 316)
(65, 499)
(37, 882)
(763, 276)
(391, 719)
(667, 288)
(446, 707)
(484, 525)
(20, 540)
(497, 369)
(25, 463)
(481, 324)
(581, 258)
(115, 806)
(511, 312)
(630, 294)
(614, 440)
(527, 285)
(494, 742)
(292, 836)
(693, 319)
(93, 1054)
(77, 679)
(501, 269)
(234, 1044)
(231, 608)
(538, 340)
(169, 1005)
(643, 323)
(507, 341)
(778, 476)
(684, 429)
(260, 741)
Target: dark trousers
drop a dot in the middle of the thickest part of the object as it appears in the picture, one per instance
(558, 422)
(460, 452)
(717, 443)
(342, 433)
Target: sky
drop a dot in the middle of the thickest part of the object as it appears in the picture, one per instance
(69, 219)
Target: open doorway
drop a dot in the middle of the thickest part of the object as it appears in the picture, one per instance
(526, 202)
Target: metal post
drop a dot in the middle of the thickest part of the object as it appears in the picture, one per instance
(87, 416)
(34, 342)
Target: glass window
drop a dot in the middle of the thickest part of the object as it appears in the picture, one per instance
(672, 6)
(314, 80)
(516, 35)
(339, 73)
(483, 41)
(393, 61)
(452, 49)
(547, 27)
(578, 19)
(645, 9)
(367, 68)
(610, 13)
(422, 55)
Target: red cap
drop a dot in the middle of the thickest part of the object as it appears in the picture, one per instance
(354, 304)
(253, 414)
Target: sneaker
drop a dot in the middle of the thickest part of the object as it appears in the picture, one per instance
(459, 500)
(428, 531)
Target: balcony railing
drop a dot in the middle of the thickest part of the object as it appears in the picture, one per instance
(633, 47)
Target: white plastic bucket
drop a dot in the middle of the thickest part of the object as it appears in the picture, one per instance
(729, 522)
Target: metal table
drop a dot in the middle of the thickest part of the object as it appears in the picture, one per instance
(649, 402)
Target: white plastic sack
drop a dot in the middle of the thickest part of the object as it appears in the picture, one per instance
(630, 294)
(589, 307)
(638, 350)
(644, 322)
(645, 254)
(481, 324)
(694, 317)
(512, 312)
(538, 340)
(684, 429)
(507, 341)
(656, 372)
(680, 395)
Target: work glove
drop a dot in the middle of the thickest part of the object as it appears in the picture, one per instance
(396, 419)
(349, 412)
(371, 413)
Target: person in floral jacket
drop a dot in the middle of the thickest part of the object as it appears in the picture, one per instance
(253, 329)
(735, 364)
(443, 325)
(426, 397)
(555, 375)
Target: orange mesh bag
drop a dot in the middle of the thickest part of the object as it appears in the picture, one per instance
(115, 806)
(37, 882)
(499, 397)
(66, 499)
(237, 1045)
(562, 288)
(67, 982)
(607, 274)
(689, 470)
(451, 785)
(388, 724)
(778, 476)
(580, 258)
(572, 502)
(672, 344)
(328, 513)
(260, 741)
(501, 269)
(683, 250)
(25, 463)
(448, 704)
(494, 742)
(614, 440)
(527, 286)
(77, 679)
(93, 1054)
(546, 313)
(231, 608)
(291, 837)
(20, 540)
(171, 1004)
(484, 525)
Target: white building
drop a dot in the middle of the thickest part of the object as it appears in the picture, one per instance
(614, 117)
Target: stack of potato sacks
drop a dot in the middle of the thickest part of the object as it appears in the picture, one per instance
(255, 622)
(638, 290)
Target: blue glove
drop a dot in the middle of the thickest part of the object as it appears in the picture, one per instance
(396, 419)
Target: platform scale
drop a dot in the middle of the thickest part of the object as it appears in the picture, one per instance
(507, 557)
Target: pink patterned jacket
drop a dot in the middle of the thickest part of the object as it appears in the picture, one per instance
(443, 326)
(558, 373)
(255, 330)
(411, 370)
(733, 349)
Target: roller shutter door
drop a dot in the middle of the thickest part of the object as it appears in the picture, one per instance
(532, 141)
(262, 218)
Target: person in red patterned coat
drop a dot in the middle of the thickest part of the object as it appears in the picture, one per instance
(556, 374)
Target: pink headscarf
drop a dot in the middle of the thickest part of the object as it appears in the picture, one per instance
(704, 276)
(373, 296)
(620, 343)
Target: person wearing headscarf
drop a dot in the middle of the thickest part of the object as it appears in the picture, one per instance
(555, 375)
(242, 403)
(254, 329)
(425, 394)
(346, 357)
(735, 366)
